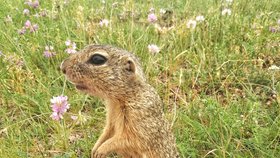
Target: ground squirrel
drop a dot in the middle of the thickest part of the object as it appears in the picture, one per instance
(135, 123)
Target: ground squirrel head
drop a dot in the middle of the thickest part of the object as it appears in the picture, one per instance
(104, 71)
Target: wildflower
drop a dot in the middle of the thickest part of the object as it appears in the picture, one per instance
(278, 22)
(14, 60)
(35, 4)
(43, 13)
(191, 24)
(36, 15)
(153, 48)
(272, 29)
(59, 106)
(104, 22)
(79, 118)
(71, 47)
(162, 11)
(26, 12)
(28, 2)
(200, 18)
(27, 24)
(56, 116)
(152, 18)
(49, 51)
(32, 4)
(274, 68)
(19, 63)
(10, 58)
(67, 42)
(226, 12)
(8, 19)
(70, 51)
(73, 117)
(152, 10)
(22, 31)
(34, 28)
(1, 53)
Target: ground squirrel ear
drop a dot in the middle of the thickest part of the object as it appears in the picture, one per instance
(130, 66)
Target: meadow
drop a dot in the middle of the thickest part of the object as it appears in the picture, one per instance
(215, 64)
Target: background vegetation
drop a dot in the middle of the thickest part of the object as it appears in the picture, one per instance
(217, 80)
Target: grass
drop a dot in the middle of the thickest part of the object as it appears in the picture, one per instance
(214, 80)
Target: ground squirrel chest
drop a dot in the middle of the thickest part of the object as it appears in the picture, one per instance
(135, 125)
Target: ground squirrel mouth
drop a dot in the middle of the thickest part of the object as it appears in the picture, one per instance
(81, 87)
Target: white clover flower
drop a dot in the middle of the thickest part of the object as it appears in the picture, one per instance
(26, 12)
(48, 53)
(152, 10)
(226, 12)
(104, 22)
(153, 48)
(191, 24)
(68, 42)
(162, 11)
(200, 18)
(71, 47)
(274, 68)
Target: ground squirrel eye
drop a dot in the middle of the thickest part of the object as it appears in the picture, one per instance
(97, 59)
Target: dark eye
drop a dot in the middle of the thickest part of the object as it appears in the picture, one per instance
(97, 59)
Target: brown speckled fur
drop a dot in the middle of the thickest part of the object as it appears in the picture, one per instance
(135, 124)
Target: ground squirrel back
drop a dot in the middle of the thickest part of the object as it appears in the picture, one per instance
(135, 124)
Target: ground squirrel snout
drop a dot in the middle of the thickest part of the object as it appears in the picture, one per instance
(135, 124)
